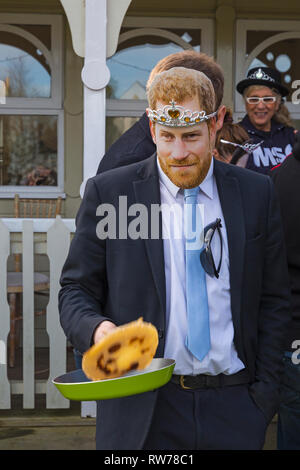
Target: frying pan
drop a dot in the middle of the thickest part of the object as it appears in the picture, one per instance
(75, 385)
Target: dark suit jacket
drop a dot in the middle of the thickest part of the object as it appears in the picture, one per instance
(123, 279)
(286, 179)
(133, 146)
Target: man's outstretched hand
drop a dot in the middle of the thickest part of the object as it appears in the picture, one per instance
(105, 327)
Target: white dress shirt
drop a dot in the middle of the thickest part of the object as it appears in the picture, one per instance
(222, 357)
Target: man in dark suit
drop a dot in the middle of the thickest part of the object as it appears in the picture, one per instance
(228, 346)
(286, 178)
(136, 143)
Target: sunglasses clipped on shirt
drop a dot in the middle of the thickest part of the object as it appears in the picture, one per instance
(264, 99)
(212, 236)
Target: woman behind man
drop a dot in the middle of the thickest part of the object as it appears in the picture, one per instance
(230, 140)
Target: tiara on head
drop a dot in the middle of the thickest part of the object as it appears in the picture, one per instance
(261, 75)
(173, 115)
(247, 146)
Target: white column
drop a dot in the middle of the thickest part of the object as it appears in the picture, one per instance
(95, 77)
(28, 316)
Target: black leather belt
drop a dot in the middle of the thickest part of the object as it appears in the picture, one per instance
(190, 382)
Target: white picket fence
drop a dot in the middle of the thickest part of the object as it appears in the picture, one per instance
(29, 237)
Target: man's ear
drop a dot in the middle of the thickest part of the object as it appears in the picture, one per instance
(221, 115)
(152, 131)
(212, 132)
(216, 154)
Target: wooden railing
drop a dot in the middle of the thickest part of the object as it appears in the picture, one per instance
(29, 237)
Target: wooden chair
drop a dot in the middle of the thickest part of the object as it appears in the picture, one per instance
(27, 208)
(36, 208)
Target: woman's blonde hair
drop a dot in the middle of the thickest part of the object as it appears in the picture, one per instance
(179, 84)
(282, 115)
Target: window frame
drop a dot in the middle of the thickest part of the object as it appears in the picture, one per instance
(55, 56)
(286, 29)
(154, 25)
(40, 106)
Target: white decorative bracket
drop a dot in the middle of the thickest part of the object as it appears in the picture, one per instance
(75, 11)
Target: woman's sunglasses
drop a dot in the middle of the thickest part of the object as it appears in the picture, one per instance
(264, 99)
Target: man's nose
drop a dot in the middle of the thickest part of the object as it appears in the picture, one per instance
(179, 151)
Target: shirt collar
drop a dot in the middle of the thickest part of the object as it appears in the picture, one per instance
(206, 186)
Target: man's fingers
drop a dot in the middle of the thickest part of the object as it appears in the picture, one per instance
(102, 330)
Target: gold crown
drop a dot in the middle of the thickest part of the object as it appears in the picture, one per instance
(173, 115)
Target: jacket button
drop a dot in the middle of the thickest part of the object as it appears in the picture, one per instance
(160, 333)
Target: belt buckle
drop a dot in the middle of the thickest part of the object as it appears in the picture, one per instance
(181, 381)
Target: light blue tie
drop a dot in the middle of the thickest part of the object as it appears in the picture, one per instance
(198, 336)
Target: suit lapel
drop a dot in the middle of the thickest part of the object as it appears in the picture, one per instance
(147, 192)
(231, 203)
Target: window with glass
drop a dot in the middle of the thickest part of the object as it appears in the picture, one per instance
(269, 44)
(142, 43)
(31, 114)
(29, 150)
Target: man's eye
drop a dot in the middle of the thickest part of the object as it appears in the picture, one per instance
(192, 136)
